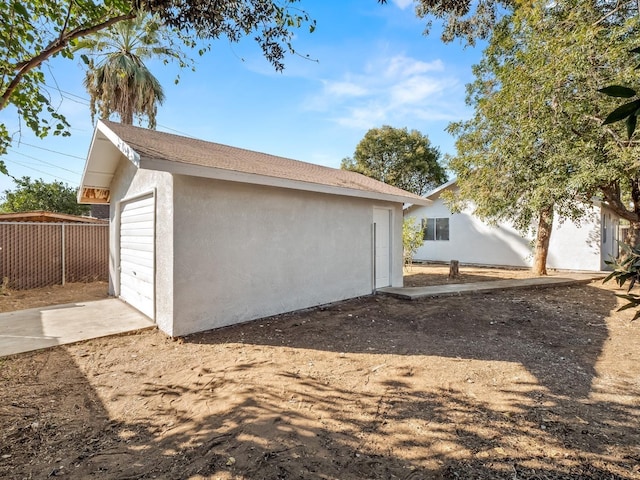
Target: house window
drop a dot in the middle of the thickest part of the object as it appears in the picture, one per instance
(435, 228)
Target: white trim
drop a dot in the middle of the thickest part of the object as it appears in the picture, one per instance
(120, 144)
(138, 196)
(256, 179)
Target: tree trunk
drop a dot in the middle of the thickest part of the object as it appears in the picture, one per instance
(454, 269)
(633, 235)
(613, 199)
(126, 117)
(543, 235)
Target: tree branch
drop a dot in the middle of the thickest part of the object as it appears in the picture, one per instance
(617, 7)
(612, 199)
(54, 47)
(619, 140)
(66, 21)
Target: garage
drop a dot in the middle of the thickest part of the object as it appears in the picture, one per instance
(206, 235)
(137, 264)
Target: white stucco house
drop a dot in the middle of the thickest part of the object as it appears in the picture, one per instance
(464, 237)
(204, 235)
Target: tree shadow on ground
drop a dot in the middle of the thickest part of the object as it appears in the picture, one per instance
(294, 398)
(312, 431)
(556, 333)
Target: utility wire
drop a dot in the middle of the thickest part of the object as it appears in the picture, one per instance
(52, 151)
(45, 162)
(85, 101)
(40, 171)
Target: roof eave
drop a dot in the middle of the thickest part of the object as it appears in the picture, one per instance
(102, 160)
(180, 168)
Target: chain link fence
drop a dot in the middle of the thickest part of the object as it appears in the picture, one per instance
(34, 255)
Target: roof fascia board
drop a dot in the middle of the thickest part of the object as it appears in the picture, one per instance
(86, 164)
(255, 179)
(120, 144)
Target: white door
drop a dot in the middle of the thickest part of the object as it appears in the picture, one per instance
(382, 249)
(137, 254)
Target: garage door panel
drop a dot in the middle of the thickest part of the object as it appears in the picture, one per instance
(138, 271)
(139, 215)
(136, 257)
(134, 297)
(135, 247)
(140, 204)
(135, 230)
(139, 286)
(137, 254)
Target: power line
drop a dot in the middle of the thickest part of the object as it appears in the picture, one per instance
(40, 171)
(52, 151)
(46, 163)
(177, 131)
(85, 101)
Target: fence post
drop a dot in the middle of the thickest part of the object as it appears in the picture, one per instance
(64, 272)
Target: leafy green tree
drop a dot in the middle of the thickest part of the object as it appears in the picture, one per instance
(470, 21)
(117, 79)
(33, 31)
(628, 111)
(402, 158)
(534, 147)
(464, 19)
(40, 195)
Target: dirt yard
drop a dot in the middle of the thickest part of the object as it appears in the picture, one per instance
(540, 384)
(434, 274)
(57, 294)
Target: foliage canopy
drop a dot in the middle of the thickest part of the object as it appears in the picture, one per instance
(33, 31)
(117, 79)
(402, 158)
(535, 143)
(39, 195)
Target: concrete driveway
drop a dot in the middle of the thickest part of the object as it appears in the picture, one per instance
(36, 328)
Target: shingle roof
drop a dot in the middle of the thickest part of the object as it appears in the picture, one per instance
(165, 146)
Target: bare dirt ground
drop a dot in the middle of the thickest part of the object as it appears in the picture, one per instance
(12, 300)
(539, 384)
(434, 274)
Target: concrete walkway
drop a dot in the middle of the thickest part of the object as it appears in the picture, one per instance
(37, 328)
(412, 293)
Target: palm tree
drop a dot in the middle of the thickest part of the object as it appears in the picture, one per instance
(117, 79)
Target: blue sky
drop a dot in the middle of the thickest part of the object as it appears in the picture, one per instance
(374, 67)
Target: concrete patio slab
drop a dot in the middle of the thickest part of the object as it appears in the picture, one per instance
(412, 293)
(36, 328)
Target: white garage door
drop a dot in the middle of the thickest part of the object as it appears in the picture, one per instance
(137, 254)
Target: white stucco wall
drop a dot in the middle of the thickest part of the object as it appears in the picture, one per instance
(129, 182)
(572, 247)
(244, 251)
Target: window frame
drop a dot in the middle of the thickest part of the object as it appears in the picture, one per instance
(435, 229)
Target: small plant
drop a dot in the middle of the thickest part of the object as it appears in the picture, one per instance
(411, 239)
(627, 269)
(4, 286)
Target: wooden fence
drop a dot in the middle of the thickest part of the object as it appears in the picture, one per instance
(36, 255)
